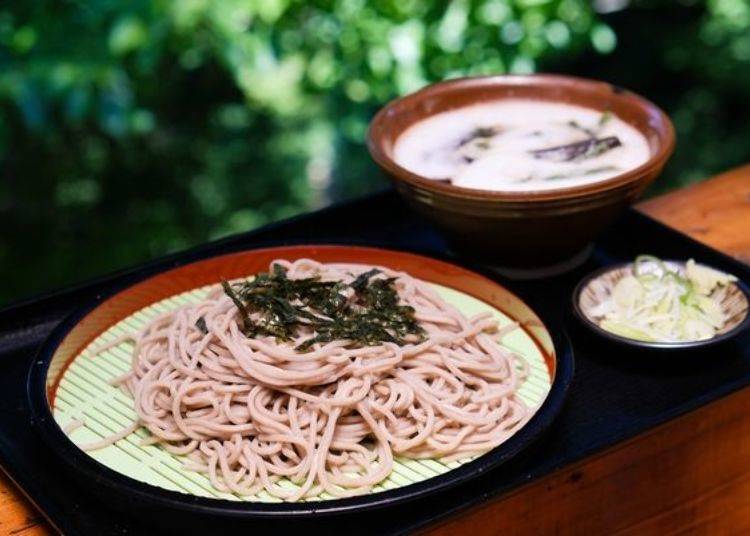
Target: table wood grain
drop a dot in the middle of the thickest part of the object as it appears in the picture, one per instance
(688, 475)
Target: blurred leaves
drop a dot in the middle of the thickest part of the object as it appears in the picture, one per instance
(133, 128)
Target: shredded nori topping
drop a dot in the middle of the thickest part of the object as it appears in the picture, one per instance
(366, 311)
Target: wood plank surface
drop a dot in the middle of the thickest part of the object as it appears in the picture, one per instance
(17, 515)
(689, 476)
(715, 212)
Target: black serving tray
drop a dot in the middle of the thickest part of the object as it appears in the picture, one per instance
(613, 397)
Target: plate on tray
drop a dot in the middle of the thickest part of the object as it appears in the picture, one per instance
(68, 382)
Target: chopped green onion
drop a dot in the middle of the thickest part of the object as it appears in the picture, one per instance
(661, 302)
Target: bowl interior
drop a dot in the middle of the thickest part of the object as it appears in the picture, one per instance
(731, 298)
(393, 120)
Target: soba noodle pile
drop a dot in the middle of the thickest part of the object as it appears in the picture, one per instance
(256, 413)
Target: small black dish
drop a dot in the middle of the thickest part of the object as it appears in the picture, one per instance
(738, 322)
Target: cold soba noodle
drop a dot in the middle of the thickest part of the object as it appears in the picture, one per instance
(320, 374)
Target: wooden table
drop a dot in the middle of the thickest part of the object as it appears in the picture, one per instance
(702, 485)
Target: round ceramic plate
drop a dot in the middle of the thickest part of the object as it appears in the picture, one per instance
(69, 383)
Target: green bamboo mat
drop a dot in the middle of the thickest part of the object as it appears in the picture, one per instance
(84, 393)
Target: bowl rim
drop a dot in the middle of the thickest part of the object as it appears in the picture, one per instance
(655, 162)
(657, 345)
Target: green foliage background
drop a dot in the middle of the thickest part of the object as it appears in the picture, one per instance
(130, 128)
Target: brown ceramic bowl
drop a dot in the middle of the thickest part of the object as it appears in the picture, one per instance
(521, 229)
